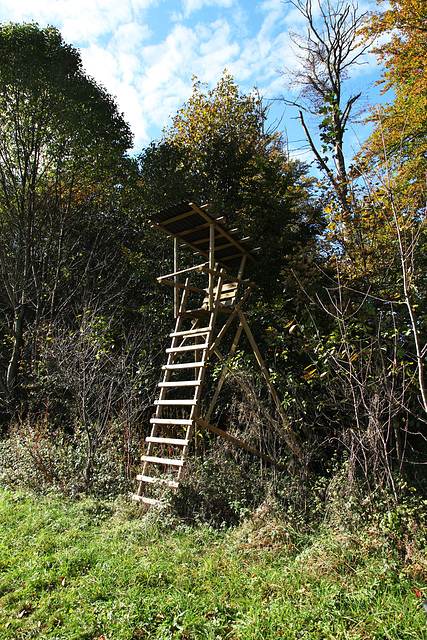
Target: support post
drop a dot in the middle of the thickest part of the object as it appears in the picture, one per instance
(238, 442)
(223, 374)
(289, 434)
(211, 264)
(242, 266)
(176, 278)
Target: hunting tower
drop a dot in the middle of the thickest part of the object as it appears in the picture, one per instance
(208, 301)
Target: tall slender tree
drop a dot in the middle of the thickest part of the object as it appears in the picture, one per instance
(327, 50)
(62, 141)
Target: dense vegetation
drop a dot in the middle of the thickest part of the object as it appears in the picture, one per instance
(341, 312)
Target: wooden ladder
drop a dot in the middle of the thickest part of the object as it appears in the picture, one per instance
(196, 340)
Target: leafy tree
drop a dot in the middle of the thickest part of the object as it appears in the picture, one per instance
(218, 150)
(398, 145)
(62, 159)
(394, 161)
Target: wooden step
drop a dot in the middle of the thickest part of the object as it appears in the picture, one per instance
(150, 480)
(168, 461)
(188, 347)
(180, 383)
(190, 332)
(184, 421)
(149, 501)
(184, 365)
(176, 403)
(200, 314)
(180, 442)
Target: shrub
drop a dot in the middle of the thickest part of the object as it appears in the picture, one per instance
(35, 456)
(218, 491)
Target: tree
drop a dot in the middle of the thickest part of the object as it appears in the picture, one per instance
(399, 142)
(217, 150)
(394, 160)
(327, 52)
(361, 322)
(62, 145)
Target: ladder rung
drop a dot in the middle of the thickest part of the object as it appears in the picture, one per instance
(151, 480)
(146, 500)
(184, 365)
(181, 383)
(188, 347)
(190, 332)
(176, 403)
(180, 442)
(185, 421)
(175, 463)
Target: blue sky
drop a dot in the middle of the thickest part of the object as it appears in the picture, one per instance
(146, 52)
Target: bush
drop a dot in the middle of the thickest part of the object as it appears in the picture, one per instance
(37, 457)
(218, 491)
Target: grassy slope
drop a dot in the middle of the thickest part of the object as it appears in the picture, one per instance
(88, 569)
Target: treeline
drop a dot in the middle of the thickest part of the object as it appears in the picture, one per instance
(340, 315)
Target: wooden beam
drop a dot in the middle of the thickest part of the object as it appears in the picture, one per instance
(211, 265)
(180, 285)
(225, 328)
(223, 373)
(289, 434)
(209, 220)
(247, 283)
(238, 442)
(242, 267)
(198, 267)
(176, 276)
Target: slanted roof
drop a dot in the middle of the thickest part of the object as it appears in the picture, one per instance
(191, 225)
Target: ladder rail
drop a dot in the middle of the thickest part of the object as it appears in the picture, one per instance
(179, 346)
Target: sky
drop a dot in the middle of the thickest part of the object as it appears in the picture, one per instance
(146, 53)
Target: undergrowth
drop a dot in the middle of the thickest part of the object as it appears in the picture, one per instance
(36, 456)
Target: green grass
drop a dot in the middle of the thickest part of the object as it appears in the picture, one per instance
(97, 570)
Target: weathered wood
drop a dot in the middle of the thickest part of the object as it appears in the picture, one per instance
(223, 373)
(229, 278)
(153, 480)
(190, 332)
(241, 269)
(184, 365)
(237, 442)
(202, 313)
(179, 442)
(176, 403)
(179, 383)
(188, 347)
(177, 421)
(181, 272)
(155, 427)
(180, 285)
(166, 461)
(228, 323)
(163, 225)
(207, 237)
(289, 434)
(211, 266)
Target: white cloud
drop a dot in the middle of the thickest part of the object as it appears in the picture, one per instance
(196, 5)
(79, 20)
(145, 52)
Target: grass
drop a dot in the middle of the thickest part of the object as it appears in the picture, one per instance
(95, 570)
